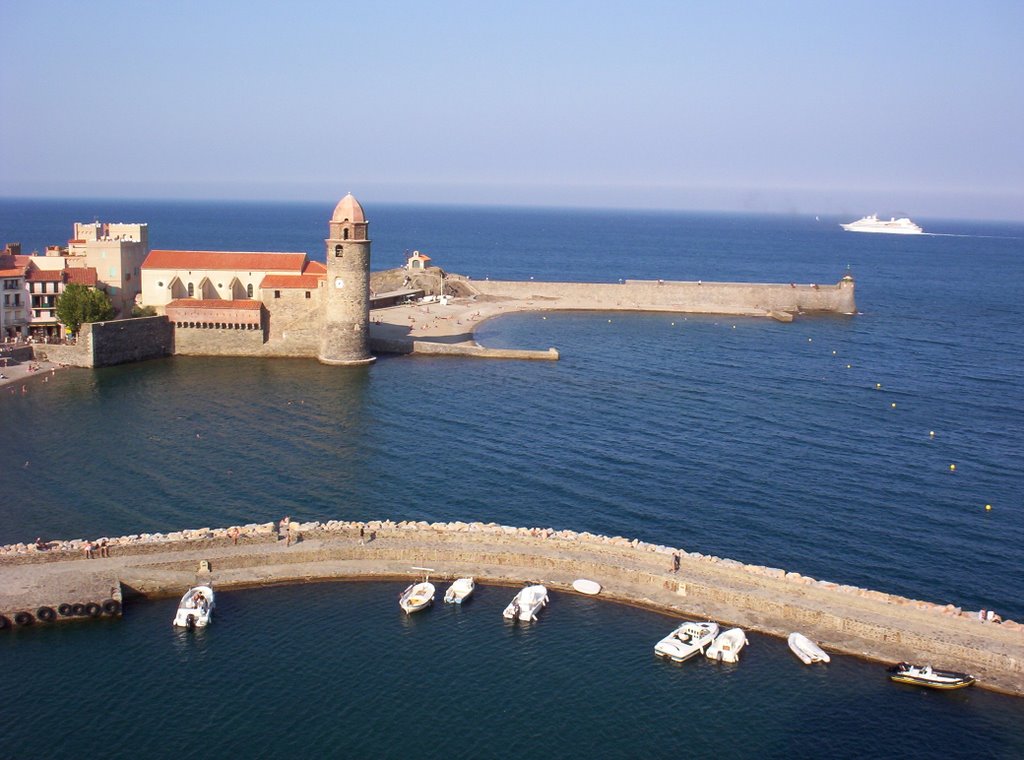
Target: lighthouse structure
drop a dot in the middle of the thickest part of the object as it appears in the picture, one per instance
(344, 326)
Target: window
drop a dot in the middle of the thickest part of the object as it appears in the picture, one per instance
(277, 294)
(307, 294)
(344, 234)
(248, 290)
(191, 290)
(337, 251)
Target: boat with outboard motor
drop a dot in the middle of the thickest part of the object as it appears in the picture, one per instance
(195, 610)
(894, 226)
(459, 591)
(686, 641)
(806, 649)
(526, 604)
(726, 647)
(926, 676)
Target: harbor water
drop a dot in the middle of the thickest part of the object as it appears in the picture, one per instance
(806, 446)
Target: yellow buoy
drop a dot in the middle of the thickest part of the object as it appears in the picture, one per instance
(931, 433)
(988, 507)
(878, 385)
(893, 404)
(952, 468)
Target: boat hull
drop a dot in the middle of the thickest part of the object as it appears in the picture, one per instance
(686, 641)
(192, 613)
(806, 650)
(417, 597)
(727, 647)
(459, 591)
(944, 680)
(526, 604)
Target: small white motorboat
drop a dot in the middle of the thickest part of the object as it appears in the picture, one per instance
(726, 647)
(526, 604)
(686, 640)
(195, 610)
(927, 676)
(806, 649)
(583, 586)
(417, 597)
(459, 591)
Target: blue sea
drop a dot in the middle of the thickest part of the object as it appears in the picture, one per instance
(769, 443)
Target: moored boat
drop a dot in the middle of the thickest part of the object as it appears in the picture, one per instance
(416, 597)
(807, 650)
(726, 647)
(195, 610)
(459, 591)
(526, 604)
(929, 677)
(686, 641)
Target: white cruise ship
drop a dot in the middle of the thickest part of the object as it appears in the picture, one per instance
(894, 226)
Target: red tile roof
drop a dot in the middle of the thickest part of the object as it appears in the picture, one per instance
(225, 260)
(82, 276)
(315, 267)
(12, 272)
(44, 275)
(212, 303)
(292, 281)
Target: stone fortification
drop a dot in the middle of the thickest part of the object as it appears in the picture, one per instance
(104, 344)
(858, 621)
(734, 298)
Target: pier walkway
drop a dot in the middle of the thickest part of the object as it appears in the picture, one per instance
(866, 623)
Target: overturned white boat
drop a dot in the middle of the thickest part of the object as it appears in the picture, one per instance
(726, 647)
(526, 604)
(195, 610)
(807, 650)
(417, 597)
(459, 591)
(686, 640)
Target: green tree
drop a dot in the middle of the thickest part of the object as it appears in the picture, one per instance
(79, 304)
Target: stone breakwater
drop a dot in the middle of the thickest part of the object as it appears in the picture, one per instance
(863, 622)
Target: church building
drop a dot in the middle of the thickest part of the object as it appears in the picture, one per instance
(231, 303)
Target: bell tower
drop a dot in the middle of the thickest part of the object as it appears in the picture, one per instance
(345, 316)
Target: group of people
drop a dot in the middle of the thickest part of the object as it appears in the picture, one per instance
(989, 616)
(91, 549)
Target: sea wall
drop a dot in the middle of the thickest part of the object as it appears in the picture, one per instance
(685, 297)
(105, 344)
(863, 622)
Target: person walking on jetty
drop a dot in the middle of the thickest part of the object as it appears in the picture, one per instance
(675, 562)
(282, 527)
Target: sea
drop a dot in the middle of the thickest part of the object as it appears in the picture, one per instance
(883, 449)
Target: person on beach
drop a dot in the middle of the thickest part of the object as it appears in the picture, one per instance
(675, 562)
(282, 528)
(233, 533)
(104, 549)
(362, 535)
(88, 549)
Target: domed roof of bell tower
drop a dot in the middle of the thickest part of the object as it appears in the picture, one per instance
(348, 210)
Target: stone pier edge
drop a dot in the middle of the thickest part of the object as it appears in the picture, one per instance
(871, 624)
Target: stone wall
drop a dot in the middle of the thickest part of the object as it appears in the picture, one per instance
(104, 344)
(684, 297)
(844, 618)
(213, 341)
(128, 340)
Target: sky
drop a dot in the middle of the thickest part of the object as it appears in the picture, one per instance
(791, 107)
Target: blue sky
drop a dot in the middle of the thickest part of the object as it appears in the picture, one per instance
(810, 107)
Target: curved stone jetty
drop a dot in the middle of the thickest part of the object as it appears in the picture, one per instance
(857, 621)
